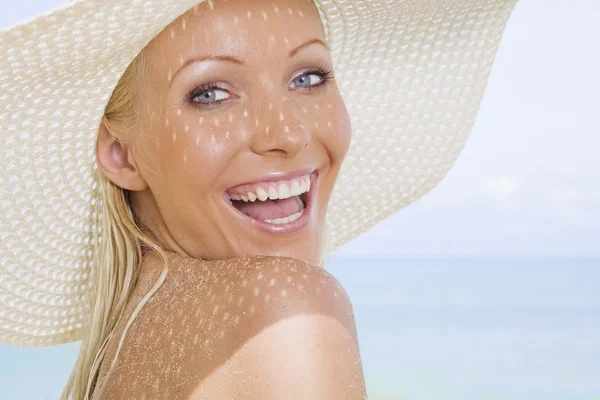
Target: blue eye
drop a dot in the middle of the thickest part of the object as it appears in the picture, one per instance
(209, 95)
(307, 80)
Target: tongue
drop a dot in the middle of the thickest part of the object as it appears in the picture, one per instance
(269, 209)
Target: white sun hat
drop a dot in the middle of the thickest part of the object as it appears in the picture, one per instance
(412, 74)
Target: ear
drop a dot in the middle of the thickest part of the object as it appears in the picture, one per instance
(116, 161)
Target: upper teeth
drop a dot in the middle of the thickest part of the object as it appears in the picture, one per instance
(274, 191)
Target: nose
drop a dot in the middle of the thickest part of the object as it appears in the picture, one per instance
(283, 133)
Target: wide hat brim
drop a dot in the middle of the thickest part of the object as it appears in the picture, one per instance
(412, 74)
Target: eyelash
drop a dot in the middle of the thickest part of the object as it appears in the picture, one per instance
(325, 74)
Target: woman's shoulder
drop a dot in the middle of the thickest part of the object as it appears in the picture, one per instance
(215, 328)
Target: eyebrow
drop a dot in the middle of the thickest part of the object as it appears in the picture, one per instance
(233, 60)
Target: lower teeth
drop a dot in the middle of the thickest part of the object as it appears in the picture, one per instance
(286, 220)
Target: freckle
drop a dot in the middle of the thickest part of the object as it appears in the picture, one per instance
(249, 14)
(256, 291)
(187, 128)
(183, 24)
(216, 309)
(272, 282)
(281, 116)
(227, 135)
(216, 121)
(179, 112)
(245, 113)
(287, 129)
(284, 293)
(288, 279)
(267, 298)
(260, 275)
(211, 4)
(240, 301)
(212, 139)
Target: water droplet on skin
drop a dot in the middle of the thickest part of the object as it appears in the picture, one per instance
(244, 283)
(287, 129)
(225, 316)
(276, 269)
(170, 75)
(305, 277)
(236, 20)
(216, 121)
(300, 13)
(230, 117)
(288, 279)
(284, 293)
(211, 4)
(256, 122)
(201, 120)
(180, 59)
(240, 301)
(197, 140)
(212, 139)
(249, 14)
(245, 113)
(329, 124)
(172, 34)
(267, 130)
(272, 282)
(166, 121)
(216, 309)
(329, 105)
(174, 136)
(290, 11)
(276, 9)
(270, 106)
(178, 112)
(187, 128)
(281, 116)
(260, 275)
(183, 24)
(264, 15)
(236, 320)
(316, 124)
(227, 135)
(305, 110)
(256, 291)
(300, 287)
(251, 308)
(267, 298)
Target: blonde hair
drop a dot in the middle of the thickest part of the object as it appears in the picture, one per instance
(117, 250)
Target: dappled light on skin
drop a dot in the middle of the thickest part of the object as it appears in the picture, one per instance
(202, 321)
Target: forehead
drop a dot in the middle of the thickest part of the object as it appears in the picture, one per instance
(240, 28)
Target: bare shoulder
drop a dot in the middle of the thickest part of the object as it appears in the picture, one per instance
(255, 327)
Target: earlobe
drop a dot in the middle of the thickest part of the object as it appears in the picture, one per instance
(116, 161)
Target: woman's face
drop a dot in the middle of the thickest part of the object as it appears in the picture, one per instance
(238, 105)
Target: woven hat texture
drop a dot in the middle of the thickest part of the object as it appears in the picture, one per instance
(412, 74)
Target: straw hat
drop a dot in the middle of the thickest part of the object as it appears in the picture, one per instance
(412, 74)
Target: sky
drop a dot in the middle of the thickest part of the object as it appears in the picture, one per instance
(527, 184)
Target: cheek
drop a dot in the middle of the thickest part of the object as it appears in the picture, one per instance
(199, 146)
(336, 131)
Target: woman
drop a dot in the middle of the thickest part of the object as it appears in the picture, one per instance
(194, 271)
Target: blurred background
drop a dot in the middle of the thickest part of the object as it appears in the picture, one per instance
(488, 287)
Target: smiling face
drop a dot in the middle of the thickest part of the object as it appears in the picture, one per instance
(246, 129)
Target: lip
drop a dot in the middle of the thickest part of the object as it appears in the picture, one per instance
(285, 228)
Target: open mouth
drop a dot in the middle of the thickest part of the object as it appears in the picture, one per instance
(279, 206)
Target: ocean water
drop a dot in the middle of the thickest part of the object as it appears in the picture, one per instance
(435, 328)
